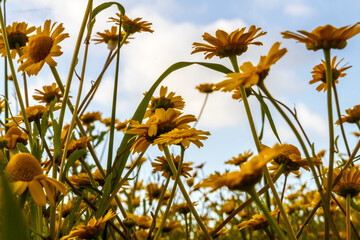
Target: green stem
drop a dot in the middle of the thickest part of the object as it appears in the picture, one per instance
(308, 158)
(202, 109)
(74, 61)
(348, 225)
(16, 84)
(267, 214)
(233, 60)
(331, 134)
(185, 194)
(340, 120)
(24, 78)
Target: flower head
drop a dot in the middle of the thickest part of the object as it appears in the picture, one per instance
(349, 182)
(240, 159)
(226, 45)
(92, 229)
(42, 47)
(24, 171)
(49, 94)
(14, 135)
(353, 115)
(90, 117)
(161, 165)
(161, 122)
(249, 74)
(132, 26)
(324, 37)
(17, 34)
(319, 73)
(77, 144)
(110, 37)
(183, 137)
(257, 221)
(164, 101)
(33, 113)
(206, 88)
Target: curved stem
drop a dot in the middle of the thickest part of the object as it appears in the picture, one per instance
(266, 212)
(309, 161)
(202, 109)
(186, 196)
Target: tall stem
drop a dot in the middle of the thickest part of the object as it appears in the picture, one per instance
(186, 196)
(347, 209)
(331, 134)
(202, 109)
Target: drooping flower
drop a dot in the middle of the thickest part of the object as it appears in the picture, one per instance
(92, 229)
(17, 34)
(132, 26)
(324, 37)
(161, 122)
(319, 73)
(110, 37)
(49, 94)
(226, 45)
(24, 172)
(349, 182)
(249, 74)
(160, 164)
(353, 115)
(42, 47)
(257, 221)
(164, 101)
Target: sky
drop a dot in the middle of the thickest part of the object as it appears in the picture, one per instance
(179, 23)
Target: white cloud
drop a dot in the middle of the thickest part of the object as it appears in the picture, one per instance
(311, 121)
(298, 10)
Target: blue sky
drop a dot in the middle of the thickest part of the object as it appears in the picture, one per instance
(177, 25)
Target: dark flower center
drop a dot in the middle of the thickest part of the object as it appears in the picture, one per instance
(39, 48)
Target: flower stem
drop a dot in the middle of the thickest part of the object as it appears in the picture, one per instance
(24, 78)
(186, 196)
(13, 73)
(202, 109)
(347, 209)
(309, 161)
(329, 83)
(266, 212)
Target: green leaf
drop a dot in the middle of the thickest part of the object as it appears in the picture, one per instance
(106, 193)
(77, 154)
(22, 148)
(353, 205)
(268, 114)
(44, 124)
(12, 221)
(106, 5)
(72, 215)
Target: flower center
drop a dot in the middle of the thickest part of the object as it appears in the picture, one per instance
(162, 102)
(23, 167)
(39, 48)
(17, 38)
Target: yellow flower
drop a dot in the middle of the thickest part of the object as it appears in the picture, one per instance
(319, 73)
(324, 37)
(144, 222)
(153, 191)
(24, 171)
(17, 34)
(257, 221)
(183, 137)
(90, 117)
(2, 104)
(243, 157)
(110, 37)
(250, 173)
(165, 102)
(349, 182)
(122, 126)
(249, 74)
(132, 26)
(228, 207)
(14, 135)
(206, 87)
(42, 47)
(160, 164)
(49, 94)
(92, 229)
(353, 115)
(182, 208)
(161, 122)
(33, 113)
(171, 225)
(77, 144)
(83, 179)
(226, 45)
